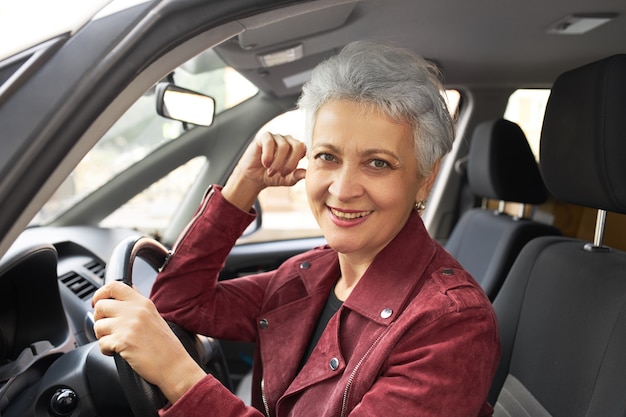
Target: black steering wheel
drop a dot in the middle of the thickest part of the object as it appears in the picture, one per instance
(146, 399)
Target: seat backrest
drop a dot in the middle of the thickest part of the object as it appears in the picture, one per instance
(500, 166)
(562, 308)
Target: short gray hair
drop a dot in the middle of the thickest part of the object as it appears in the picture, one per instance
(396, 81)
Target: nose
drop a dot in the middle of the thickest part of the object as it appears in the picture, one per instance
(346, 183)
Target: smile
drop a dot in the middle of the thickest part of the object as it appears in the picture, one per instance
(349, 215)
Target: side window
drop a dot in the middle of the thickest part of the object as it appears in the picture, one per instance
(151, 210)
(526, 108)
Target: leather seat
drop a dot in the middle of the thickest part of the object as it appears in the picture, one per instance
(562, 308)
(500, 166)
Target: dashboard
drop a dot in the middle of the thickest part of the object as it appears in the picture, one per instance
(47, 279)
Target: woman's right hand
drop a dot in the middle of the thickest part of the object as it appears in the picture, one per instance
(129, 324)
(270, 160)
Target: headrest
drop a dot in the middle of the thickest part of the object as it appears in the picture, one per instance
(583, 140)
(502, 166)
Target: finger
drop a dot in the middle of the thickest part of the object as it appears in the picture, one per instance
(280, 156)
(298, 152)
(115, 289)
(105, 347)
(267, 143)
(110, 338)
(110, 344)
(287, 154)
(299, 174)
(105, 308)
(103, 327)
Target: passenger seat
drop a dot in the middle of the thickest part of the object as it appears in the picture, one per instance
(562, 308)
(500, 166)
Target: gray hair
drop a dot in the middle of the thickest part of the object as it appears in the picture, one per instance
(397, 82)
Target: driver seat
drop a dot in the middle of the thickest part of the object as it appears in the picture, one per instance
(562, 308)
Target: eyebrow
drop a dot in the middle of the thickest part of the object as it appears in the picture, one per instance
(367, 152)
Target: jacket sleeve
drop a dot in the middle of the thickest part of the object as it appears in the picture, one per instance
(187, 290)
(442, 369)
(209, 397)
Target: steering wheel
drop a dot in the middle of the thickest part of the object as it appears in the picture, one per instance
(146, 399)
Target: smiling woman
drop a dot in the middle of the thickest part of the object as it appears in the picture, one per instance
(378, 321)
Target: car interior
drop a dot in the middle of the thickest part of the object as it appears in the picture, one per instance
(531, 199)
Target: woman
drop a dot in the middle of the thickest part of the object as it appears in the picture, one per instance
(382, 321)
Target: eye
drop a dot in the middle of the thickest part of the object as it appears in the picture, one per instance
(326, 157)
(378, 164)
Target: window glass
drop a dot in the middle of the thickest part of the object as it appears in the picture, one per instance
(526, 108)
(141, 130)
(286, 212)
(151, 210)
(454, 100)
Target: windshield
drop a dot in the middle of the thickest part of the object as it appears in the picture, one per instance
(140, 131)
(26, 23)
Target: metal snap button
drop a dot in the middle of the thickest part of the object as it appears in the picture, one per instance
(447, 272)
(386, 313)
(263, 324)
(334, 364)
(305, 265)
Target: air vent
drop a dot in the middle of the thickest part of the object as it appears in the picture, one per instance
(96, 267)
(79, 285)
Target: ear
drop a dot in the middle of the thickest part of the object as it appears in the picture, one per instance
(427, 183)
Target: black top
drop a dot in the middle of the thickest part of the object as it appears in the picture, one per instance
(330, 308)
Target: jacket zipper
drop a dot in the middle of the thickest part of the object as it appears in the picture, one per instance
(346, 391)
(183, 235)
(264, 398)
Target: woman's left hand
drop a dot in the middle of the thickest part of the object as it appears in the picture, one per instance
(271, 160)
(129, 324)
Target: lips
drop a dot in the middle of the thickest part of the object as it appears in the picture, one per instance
(349, 215)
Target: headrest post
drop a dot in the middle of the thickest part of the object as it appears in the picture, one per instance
(598, 237)
(522, 209)
(501, 204)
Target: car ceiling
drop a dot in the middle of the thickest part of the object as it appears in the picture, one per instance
(480, 43)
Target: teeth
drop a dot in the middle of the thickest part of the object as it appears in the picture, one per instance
(349, 216)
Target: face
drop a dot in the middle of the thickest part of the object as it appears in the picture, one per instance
(363, 179)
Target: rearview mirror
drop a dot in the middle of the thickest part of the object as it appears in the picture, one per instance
(184, 105)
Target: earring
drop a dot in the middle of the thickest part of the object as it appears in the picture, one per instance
(420, 206)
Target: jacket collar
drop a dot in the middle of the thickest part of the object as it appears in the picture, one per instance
(383, 290)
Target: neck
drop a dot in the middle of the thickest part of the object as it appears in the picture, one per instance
(351, 272)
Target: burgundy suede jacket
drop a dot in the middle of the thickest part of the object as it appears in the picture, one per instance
(416, 337)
